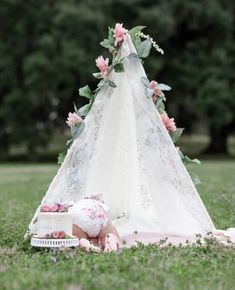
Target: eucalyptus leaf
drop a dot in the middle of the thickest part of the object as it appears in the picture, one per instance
(175, 135)
(102, 83)
(163, 87)
(133, 31)
(76, 109)
(118, 67)
(77, 129)
(195, 178)
(160, 105)
(86, 92)
(61, 157)
(133, 56)
(84, 110)
(97, 75)
(144, 48)
(145, 81)
(69, 142)
(108, 42)
(149, 92)
(112, 84)
(187, 160)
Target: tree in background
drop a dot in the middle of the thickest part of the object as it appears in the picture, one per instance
(47, 51)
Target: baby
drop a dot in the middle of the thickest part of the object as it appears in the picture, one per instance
(92, 225)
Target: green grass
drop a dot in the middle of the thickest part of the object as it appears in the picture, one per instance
(151, 267)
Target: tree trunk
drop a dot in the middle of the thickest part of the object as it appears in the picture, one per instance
(218, 140)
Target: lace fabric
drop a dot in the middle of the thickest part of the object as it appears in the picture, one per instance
(126, 153)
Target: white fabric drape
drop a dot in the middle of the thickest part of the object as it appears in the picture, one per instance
(126, 154)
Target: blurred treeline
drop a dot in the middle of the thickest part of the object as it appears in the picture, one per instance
(47, 51)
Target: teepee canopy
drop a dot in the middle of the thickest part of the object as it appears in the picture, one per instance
(126, 153)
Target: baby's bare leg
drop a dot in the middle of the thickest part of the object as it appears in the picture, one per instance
(109, 229)
(78, 232)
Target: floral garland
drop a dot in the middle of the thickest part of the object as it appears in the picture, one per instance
(153, 89)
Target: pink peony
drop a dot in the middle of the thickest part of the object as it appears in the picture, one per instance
(73, 119)
(119, 33)
(153, 85)
(168, 122)
(45, 208)
(103, 65)
(55, 234)
(62, 235)
(55, 208)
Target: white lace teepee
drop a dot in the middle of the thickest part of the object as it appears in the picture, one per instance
(126, 153)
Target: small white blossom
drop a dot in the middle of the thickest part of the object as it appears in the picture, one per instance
(155, 45)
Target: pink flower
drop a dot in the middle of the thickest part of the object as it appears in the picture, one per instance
(154, 86)
(119, 33)
(61, 208)
(45, 208)
(62, 235)
(73, 119)
(55, 208)
(168, 122)
(55, 234)
(103, 65)
(101, 214)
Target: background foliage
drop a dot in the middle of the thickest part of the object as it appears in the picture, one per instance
(47, 51)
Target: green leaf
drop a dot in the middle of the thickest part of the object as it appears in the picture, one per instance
(77, 129)
(175, 135)
(84, 110)
(187, 160)
(149, 92)
(112, 84)
(144, 48)
(61, 157)
(86, 92)
(69, 142)
(102, 83)
(118, 67)
(133, 31)
(145, 81)
(97, 75)
(75, 109)
(133, 56)
(160, 105)
(195, 178)
(108, 41)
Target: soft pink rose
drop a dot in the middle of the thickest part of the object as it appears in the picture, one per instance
(61, 208)
(153, 85)
(55, 208)
(45, 208)
(168, 122)
(73, 119)
(55, 234)
(119, 33)
(103, 65)
(62, 235)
